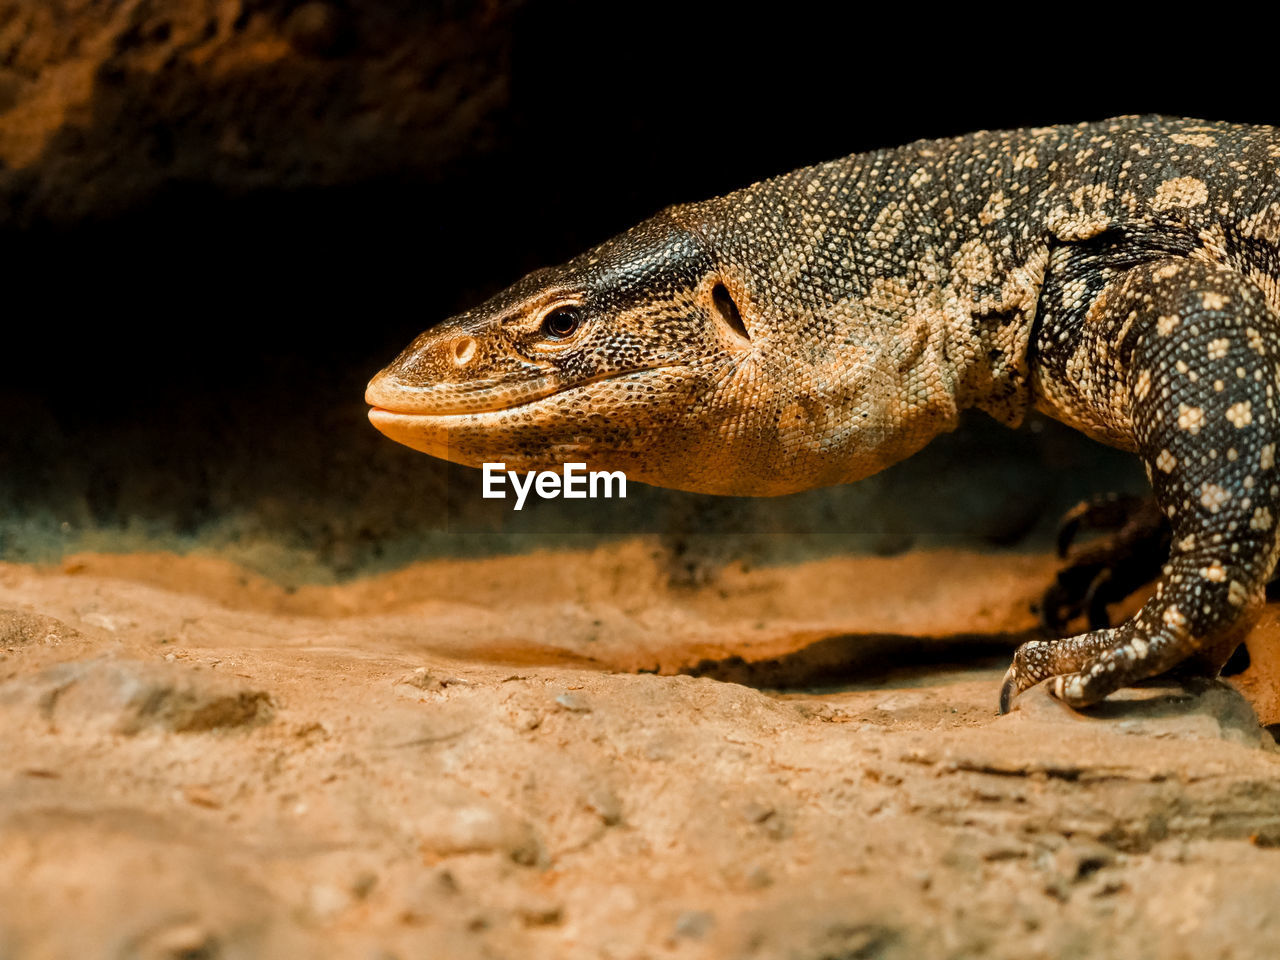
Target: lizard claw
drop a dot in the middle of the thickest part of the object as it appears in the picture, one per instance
(1032, 662)
(1008, 690)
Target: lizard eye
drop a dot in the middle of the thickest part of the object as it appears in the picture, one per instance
(562, 323)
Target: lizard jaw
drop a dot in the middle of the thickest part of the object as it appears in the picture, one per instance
(428, 433)
(446, 434)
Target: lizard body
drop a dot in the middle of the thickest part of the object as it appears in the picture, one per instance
(812, 329)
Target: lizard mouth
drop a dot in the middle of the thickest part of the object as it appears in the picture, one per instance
(394, 399)
(390, 394)
(430, 427)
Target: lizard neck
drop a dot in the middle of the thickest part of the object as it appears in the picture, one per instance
(897, 287)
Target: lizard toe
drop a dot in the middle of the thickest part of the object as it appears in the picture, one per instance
(1030, 666)
(1073, 690)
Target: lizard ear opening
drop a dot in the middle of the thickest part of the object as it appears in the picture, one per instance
(728, 311)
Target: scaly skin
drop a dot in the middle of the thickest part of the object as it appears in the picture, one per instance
(815, 328)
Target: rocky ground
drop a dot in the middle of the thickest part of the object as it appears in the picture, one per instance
(512, 757)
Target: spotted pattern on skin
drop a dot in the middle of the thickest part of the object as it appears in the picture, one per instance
(1240, 414)
(811, 329)
(1143, 385)
(1213, 497)
(1214, 571)
(1212, 431)
(1180, 192)
(1194, 139)
(1190, 419)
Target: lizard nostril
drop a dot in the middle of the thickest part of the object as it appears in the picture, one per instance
(464, 348)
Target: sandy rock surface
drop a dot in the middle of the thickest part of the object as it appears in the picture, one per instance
(472, 759)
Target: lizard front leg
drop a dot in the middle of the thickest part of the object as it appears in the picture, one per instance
(1187, 364)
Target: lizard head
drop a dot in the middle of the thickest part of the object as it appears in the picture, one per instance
(605, 360)
(683, 364)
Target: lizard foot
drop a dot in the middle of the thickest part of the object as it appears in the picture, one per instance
(1210, 454)
(1106, 570)
(1079, 667)
(1084, 669)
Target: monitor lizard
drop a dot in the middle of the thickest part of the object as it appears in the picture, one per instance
(812, 329)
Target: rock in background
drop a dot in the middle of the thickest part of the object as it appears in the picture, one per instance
(107, 104)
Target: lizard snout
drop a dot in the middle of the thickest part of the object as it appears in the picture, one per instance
(448, 371)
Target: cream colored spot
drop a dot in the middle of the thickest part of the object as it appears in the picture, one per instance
(1237, 594)
(1255, 339)
(1190, 419)
(1194, 139)
(1261, 519)
(1240, 414)
(887, 225)
(1167, 272)
(1173, 617)
(1213, 497)
(1091, 195)
(1165, 324)
(1218, 348)
(1180, 192)
(995, 208)
(1139, 647)
(1166, 461)
(1213, 300)
(1267, 460)
(1214, 571)
(975, 262)
(1143, 386)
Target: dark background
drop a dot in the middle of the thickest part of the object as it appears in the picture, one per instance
(237, 213)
